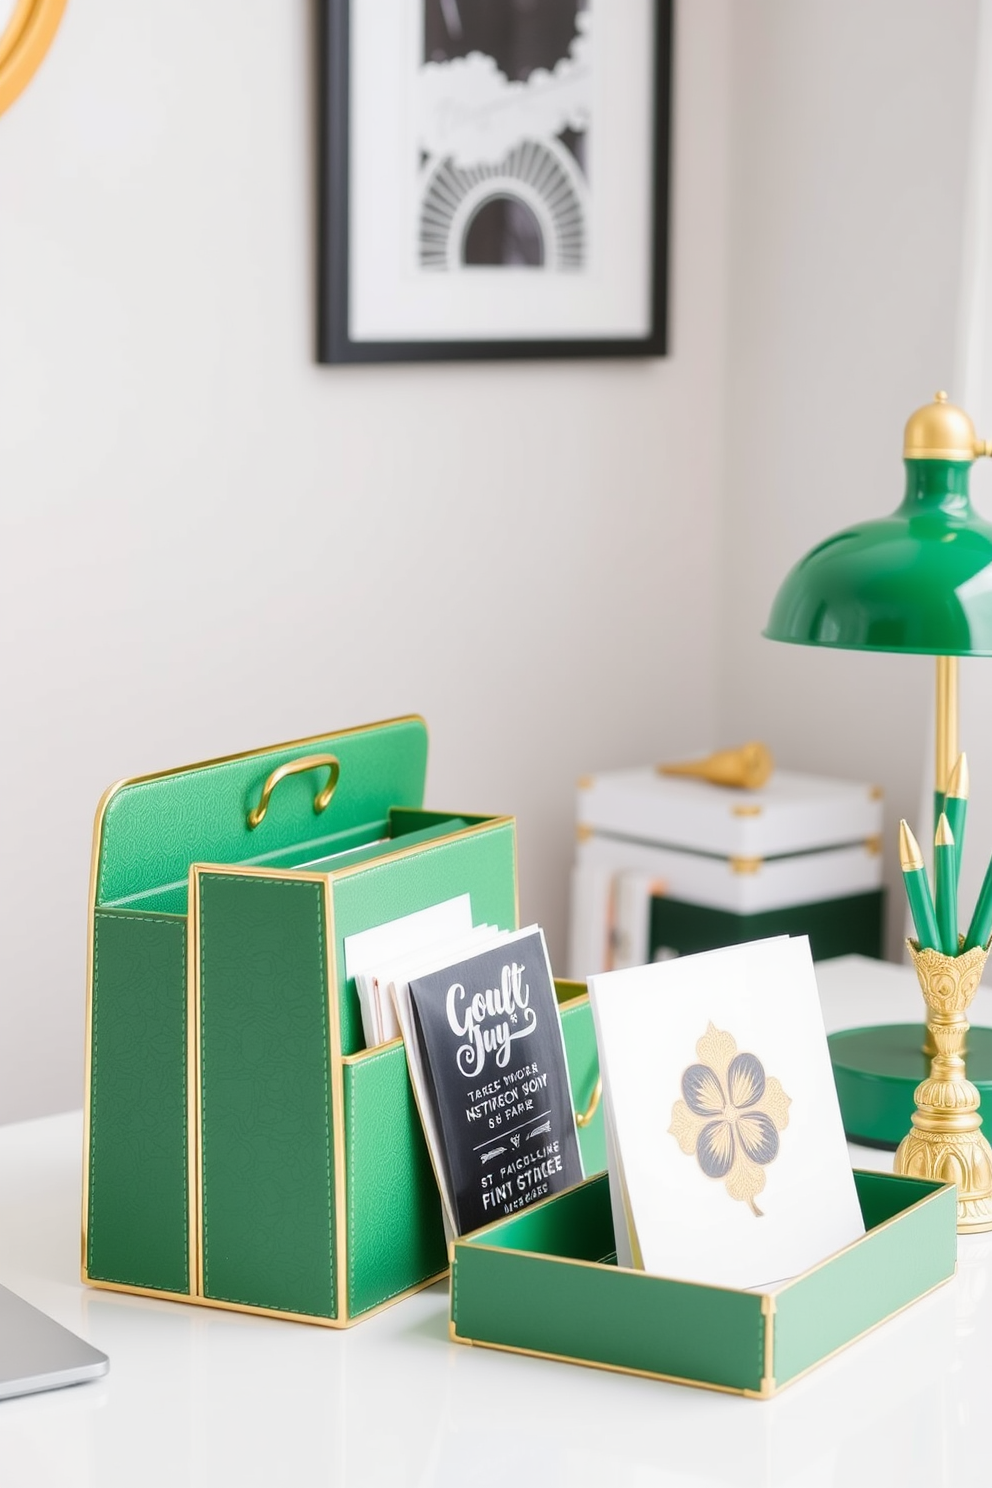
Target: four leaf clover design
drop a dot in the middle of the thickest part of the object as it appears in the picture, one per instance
(730, 1116)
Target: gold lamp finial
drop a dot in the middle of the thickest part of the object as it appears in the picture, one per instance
(942, 431)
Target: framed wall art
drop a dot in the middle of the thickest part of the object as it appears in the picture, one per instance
(494, 179)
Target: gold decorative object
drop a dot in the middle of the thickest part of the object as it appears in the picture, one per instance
(946, 1143)
(23, 44)
(748, 767)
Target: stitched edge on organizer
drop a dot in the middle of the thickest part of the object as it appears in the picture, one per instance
(387, 1296)
(282, 883)
(90, 1229)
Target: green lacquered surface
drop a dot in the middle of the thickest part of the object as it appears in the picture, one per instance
(876, 1071)
(153, 830)
(137, 1202)
(599, 1314)
(908, 582)
(267, 1149)
(395, 1231)
(579, 1034)
(861, 1286)
(836, 927)
(482, 863)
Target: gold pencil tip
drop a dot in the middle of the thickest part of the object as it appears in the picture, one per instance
(910, 856)
(959, 782)
(944, 837)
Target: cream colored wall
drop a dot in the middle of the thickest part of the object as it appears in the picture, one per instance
(208, 542)
(848, 156)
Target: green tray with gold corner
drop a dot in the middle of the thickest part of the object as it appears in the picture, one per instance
(545, 1281)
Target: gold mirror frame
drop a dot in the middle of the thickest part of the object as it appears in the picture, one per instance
(23, 44)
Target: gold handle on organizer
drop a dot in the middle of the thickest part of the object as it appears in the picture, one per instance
(583, 1118)
(296, 767)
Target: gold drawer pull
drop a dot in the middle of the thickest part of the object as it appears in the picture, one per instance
(583, 1118)
(296, 767)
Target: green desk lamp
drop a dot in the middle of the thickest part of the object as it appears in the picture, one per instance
(918, 581)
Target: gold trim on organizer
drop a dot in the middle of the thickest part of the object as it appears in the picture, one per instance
(746, 810)
(768, 1371)
(585, 782)
(583, 1118)
(746, 865)
(582, 832)
(671, 1379)
(876, 793)
(321, 800)
(194, 1106)
(873, 845)
(401, 852)
(340, 1198)
(270, 1312)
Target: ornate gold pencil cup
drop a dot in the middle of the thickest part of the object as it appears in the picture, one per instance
(946, 1143)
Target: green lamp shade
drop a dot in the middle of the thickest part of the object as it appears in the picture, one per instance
(917, 581)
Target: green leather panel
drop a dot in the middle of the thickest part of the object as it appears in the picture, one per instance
(153, 830)
(267, 1148)
(828, 1308)
(481, 862)
(583, 1070)
(138, 1207)
(395, 1231)
(599, 1314)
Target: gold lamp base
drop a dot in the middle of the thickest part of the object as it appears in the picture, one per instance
(946, 1143)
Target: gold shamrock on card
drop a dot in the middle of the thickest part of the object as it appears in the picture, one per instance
(730, 1116)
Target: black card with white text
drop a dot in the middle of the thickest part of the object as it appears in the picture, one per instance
(491, 1038)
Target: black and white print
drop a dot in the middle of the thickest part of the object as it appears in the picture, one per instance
(504, 109)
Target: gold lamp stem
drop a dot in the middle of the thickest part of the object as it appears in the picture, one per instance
(945, 758)
(947, 721)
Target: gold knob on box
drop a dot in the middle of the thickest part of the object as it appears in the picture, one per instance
(748, 767)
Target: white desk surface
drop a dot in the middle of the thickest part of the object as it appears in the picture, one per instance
(205, 1398)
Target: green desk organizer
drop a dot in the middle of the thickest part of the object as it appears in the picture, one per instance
(243, 1149)
(545, 1282)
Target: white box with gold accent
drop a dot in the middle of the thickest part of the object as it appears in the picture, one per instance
(666, 866)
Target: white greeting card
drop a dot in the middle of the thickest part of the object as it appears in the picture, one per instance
(728, 1162)
(410, 934)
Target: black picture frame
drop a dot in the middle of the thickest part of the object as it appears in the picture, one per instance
(334, 342)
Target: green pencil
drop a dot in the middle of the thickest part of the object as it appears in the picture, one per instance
(956, 804)
(918, 889)
(945, 872)
(981, 921)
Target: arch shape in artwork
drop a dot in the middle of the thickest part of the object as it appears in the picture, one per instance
(541, 174)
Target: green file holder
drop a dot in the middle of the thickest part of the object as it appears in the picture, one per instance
(545, 1281)
(243, 1149)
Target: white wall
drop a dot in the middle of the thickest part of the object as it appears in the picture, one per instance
(209, 543)
(848, 158)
